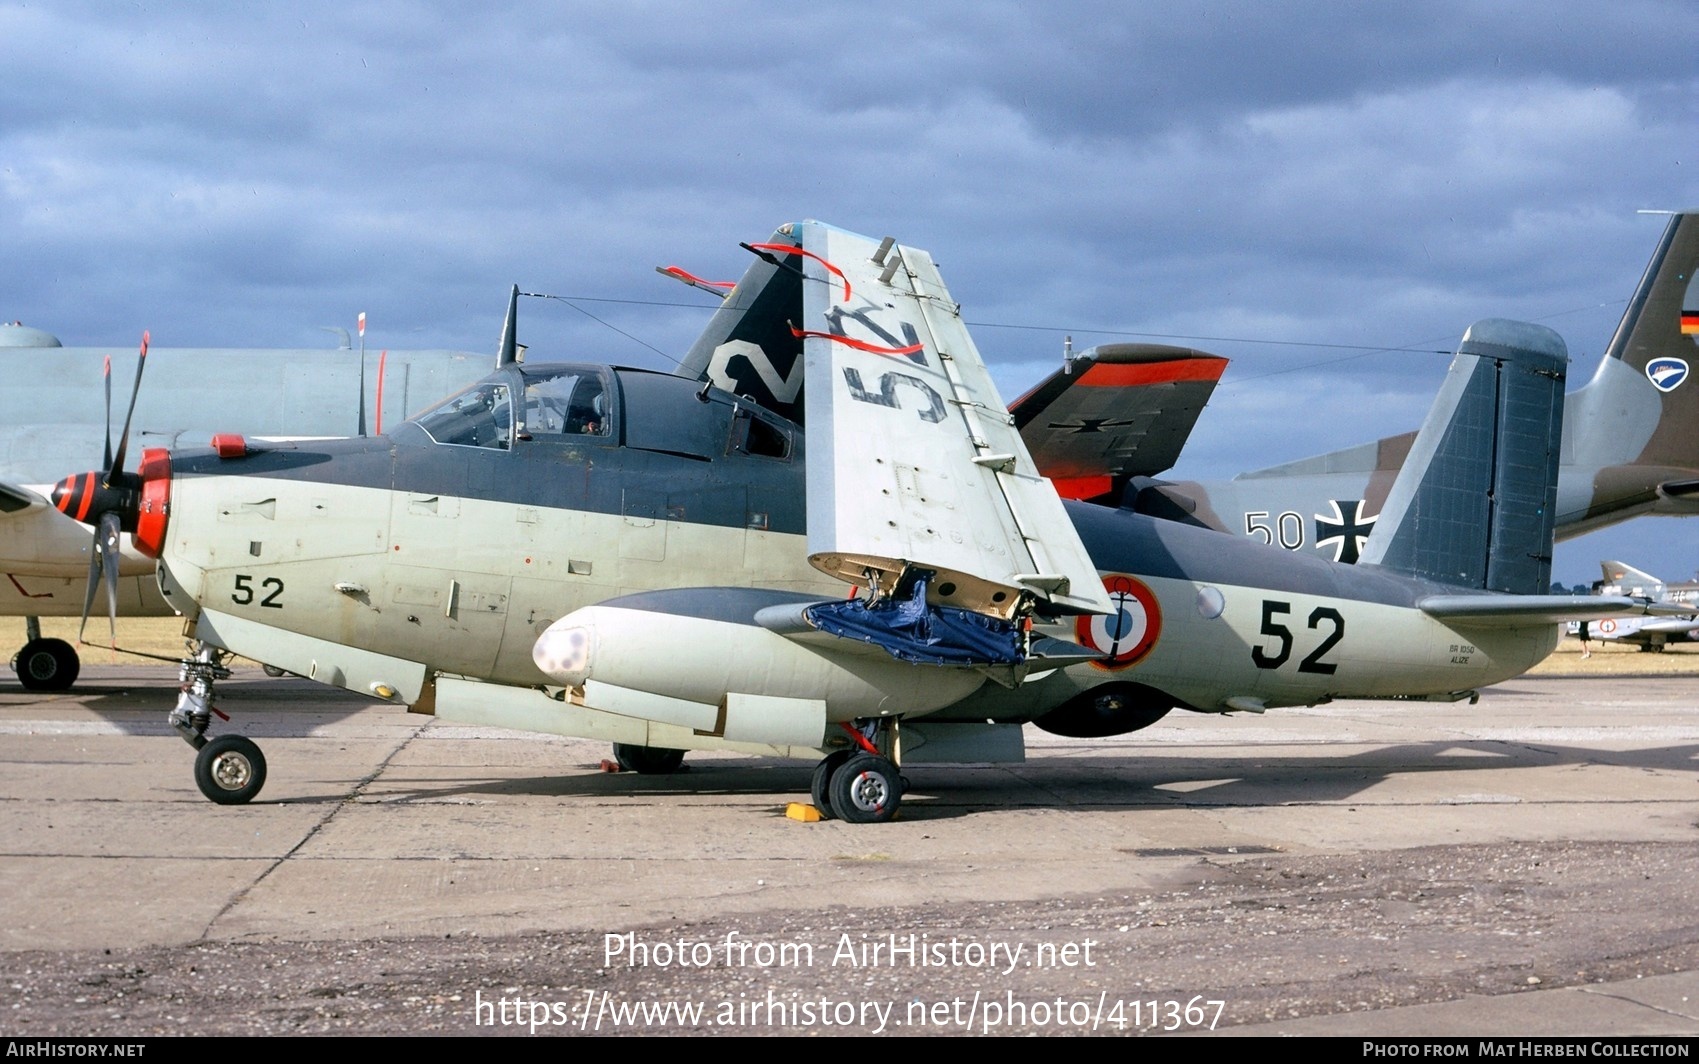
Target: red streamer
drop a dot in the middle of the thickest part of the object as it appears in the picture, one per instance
(792, 249)
(859, 345)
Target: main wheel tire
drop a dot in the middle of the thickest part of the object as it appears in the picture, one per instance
(821, 788)
(47, 665)
(230, 770)
(648, 760)
(867, 790)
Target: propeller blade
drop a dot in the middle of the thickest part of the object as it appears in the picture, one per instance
(103, 562)
(106, 375)
(111, 535)
(117, 465)
(93, 582)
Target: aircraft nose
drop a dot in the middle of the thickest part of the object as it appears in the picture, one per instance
(141, 499)
(563, 653)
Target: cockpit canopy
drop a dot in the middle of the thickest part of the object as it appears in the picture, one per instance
(604, 406)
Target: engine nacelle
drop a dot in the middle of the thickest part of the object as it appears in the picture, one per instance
(1107, 709)
(697, 658)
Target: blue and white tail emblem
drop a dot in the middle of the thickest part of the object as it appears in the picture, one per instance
(1666, 374)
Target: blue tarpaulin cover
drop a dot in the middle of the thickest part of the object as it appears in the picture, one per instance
(909, 630)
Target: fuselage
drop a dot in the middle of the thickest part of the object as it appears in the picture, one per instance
(457, 540)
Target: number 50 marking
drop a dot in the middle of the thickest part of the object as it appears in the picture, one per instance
(1265, 658)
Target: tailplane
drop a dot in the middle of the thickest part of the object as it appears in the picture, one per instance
(1474, 504)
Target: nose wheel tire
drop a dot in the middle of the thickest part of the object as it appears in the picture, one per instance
(230, 770)
(866, 790)
(47, 665)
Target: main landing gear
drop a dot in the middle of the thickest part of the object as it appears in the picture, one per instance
(860, 785)
(230, 769)
(45, 664)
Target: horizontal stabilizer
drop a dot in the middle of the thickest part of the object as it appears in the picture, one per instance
(1520, 611)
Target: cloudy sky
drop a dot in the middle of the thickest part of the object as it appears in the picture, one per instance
(1326, 193)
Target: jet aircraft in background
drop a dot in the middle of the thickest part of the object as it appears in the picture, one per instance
(623, 554)
(1630, 444)
(1650, 634)
(51, 420)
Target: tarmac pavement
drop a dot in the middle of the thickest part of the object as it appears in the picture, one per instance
(1523, 867)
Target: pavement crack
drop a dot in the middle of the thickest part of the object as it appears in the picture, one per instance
(311, 833)
(1636, 1001)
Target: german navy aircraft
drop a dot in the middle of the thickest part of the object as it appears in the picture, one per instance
(47, 424)
(1630, 447)
(1649, 634)
(666, 563)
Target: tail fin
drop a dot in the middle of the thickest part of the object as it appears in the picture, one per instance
(1475, 502)
(1631, 445)
(1631, 581)
(1635, 426)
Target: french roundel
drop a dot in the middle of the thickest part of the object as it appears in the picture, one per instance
(1128, 633)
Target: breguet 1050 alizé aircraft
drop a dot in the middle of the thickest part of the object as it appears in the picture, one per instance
(663, 561)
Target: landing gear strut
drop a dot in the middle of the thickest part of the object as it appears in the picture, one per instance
(230, 769)
(861, 785)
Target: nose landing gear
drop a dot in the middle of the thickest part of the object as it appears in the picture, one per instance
(230, 769)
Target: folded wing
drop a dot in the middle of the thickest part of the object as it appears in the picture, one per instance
(1114, 412)
(915, 467)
